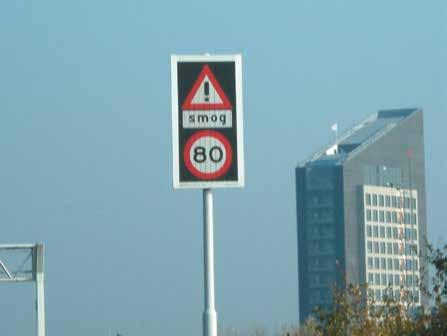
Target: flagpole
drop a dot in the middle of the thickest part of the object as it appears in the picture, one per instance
(334, 128)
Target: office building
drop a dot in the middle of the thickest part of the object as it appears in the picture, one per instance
(361, 212)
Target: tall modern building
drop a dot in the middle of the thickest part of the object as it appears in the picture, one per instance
(361, 211)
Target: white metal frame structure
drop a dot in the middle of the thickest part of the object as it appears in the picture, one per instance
(36, 274)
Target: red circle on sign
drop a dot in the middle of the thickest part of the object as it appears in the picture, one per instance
(228, 155)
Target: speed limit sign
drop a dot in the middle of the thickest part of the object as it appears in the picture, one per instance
(207, 121)
(208, 154)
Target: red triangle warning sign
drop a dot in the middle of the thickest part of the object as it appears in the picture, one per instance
(206, 94)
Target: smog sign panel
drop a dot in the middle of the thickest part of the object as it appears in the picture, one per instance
(207, 121)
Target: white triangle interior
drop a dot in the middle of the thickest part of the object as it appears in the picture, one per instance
(212, 97)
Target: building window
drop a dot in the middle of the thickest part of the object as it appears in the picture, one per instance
(369, 245)
(378, 295)
(415, 265)
(382, 247)
(395, 248)
(376, 263)
(395, 236)
(381, 216)
(370, 262)
(368, 199)
(389, 263)
(407, 234)
(371, 278)
(394, 217)
(368, 215)
(396, 280)
(390, 279)
(387, 201)
(376, 247)
(375, 215)
(368, 231)
(377, 281)
(394, 201)
(375, 231)
(407, 218)
(407, 203)
(414, 219)
(414, 203)
(374, 199)
(409, 265)
(409, 280)
(415, 234)
(383, 263)
(388, 217)
(384, 279)
(314, 279)
(388, 232)
(381, 203)
(389, 248)
(396, 264)
(382, 232)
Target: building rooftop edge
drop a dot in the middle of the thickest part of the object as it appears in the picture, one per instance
(360, 136)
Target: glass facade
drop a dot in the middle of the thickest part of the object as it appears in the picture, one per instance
(320, 234)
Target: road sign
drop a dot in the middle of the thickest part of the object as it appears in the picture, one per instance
(207, 121)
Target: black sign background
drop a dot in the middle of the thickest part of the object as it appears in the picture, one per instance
(187, 74)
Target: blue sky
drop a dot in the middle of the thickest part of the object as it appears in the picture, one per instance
(85, 144)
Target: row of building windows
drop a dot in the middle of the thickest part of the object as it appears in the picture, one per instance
(391, 217)
(391, 232)
(319, 199)
(321, 279)
(320, 215)
(321, 231)
(321, 247)
(393, 264)
(382, 279)
(380, 247)
(390, 201)
(320, 296)
(322, 263)
(388, 293)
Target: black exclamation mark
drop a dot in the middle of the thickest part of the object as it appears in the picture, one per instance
(206, 91)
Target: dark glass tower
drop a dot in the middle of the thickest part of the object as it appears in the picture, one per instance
(361, 211)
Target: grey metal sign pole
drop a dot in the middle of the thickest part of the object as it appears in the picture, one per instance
(209, 314)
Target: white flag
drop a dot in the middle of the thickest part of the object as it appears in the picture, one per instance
(334, 127)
